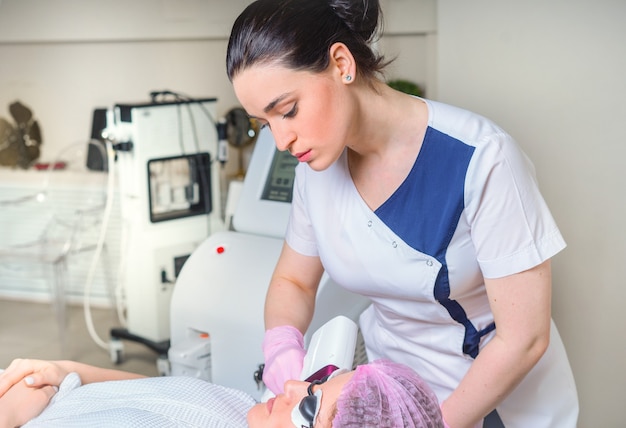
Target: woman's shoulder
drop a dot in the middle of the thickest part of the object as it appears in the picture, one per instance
(462, 124)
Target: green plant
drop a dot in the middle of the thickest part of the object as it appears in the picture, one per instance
(406, 86)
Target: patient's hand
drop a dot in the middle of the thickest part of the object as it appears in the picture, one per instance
(32, 373)
(22, 403)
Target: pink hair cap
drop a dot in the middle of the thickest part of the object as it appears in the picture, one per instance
(384, 394)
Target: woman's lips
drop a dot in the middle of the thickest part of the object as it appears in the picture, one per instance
(270, 404)
(303, 156)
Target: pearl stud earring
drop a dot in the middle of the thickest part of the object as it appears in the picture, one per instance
(348, 78)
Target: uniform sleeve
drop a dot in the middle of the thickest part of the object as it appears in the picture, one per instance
(300, 235)
(512, 228)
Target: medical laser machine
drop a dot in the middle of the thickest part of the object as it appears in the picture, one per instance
(217, 306)
(170, 202)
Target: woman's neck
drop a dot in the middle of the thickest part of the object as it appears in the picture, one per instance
(387, 145)
(387, 121)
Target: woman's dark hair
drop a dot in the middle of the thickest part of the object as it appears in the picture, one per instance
(298, 34)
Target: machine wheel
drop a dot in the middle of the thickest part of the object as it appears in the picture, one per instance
(116, 351)
(163, 366)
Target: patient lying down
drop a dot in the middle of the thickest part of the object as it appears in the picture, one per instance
(378, 394)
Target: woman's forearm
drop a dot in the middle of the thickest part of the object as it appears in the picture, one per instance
(287, 304)
(497, 370)
(291, 294)
(92, 374)
(521, 307)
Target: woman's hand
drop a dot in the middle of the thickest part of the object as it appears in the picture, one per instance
(31, 373)
(21, 403)
(283, 348)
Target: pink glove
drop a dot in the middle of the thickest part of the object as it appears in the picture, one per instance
(283, 348)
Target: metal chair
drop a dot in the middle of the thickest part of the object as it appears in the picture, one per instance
(62, 228)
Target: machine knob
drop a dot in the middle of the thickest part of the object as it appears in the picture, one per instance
(258, 376)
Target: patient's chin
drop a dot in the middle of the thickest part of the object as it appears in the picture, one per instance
(256, 415)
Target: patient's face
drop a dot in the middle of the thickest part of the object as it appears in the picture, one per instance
(276, 413)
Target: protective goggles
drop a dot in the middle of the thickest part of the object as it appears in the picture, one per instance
(305, 413)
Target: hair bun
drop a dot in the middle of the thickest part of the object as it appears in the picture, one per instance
(360, 16)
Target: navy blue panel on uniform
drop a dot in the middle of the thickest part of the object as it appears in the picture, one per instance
(434, 195)
(425, 210)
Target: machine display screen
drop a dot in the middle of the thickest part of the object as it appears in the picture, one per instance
(279, 183)
(179, 186)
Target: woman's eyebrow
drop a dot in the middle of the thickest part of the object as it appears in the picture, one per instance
(270, 106)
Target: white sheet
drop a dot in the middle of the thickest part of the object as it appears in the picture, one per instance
(173, 401)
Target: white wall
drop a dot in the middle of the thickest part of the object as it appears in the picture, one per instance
(93, 20)
(63, 58)
(553, 74)
(410, 36)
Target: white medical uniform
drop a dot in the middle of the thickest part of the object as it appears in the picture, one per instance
(469, 209)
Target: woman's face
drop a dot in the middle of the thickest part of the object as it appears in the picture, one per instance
(276, 412)
(309, 114)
